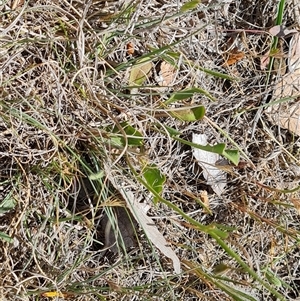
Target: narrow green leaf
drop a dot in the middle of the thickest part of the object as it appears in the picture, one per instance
(116, 141)
(187, 93)
(272, 278)
(134, 137)
(180, 95)
(154, 178)
(5, 237)
(221, 268)
(172, 131)
(220, 148)
(189, 114)
(234, 293)
(8, 203)
(218, 232)
(217, 149)
(189, 5)
(225, 284)
(198, 112)
(215, 73)
(232, 155)
(176, 55)
(96, 176)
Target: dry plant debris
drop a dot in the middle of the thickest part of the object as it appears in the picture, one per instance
(214, 177)
(286, 113)
(89, 92)
(167, 74)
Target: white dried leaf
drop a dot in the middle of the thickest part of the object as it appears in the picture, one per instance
(215, 177)
(138, 211)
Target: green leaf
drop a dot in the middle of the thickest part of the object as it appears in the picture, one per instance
(154, 178)
(232, 155)
(221, 268)
(96, 176)
(218, 232)
(189, 5)
(225, 284)
(272, 278)
(140, 71)
(189, 114)
(236, 294)
(134, 137)
(214, 73)
(8, 203)
(5, 237)
(187, 93)
(172, 131)
(220, 148)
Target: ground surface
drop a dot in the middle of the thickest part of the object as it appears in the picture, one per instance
(80, 128)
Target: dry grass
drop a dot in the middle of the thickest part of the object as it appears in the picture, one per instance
(64, 91)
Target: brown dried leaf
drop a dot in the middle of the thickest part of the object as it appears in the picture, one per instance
(233, 58)
(130, 48)
(16, 4)
(264, 61)
(296, 203)
(205, 200)
(167, 74)
(114, 286)
(290, 82)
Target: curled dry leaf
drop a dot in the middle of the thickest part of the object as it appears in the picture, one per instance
(233, 58)
(138, 211)
(296, 203)
(130, 48)
(214, 176)
(264, 61)
(17, 3)
(167, 74)
(205, 200)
